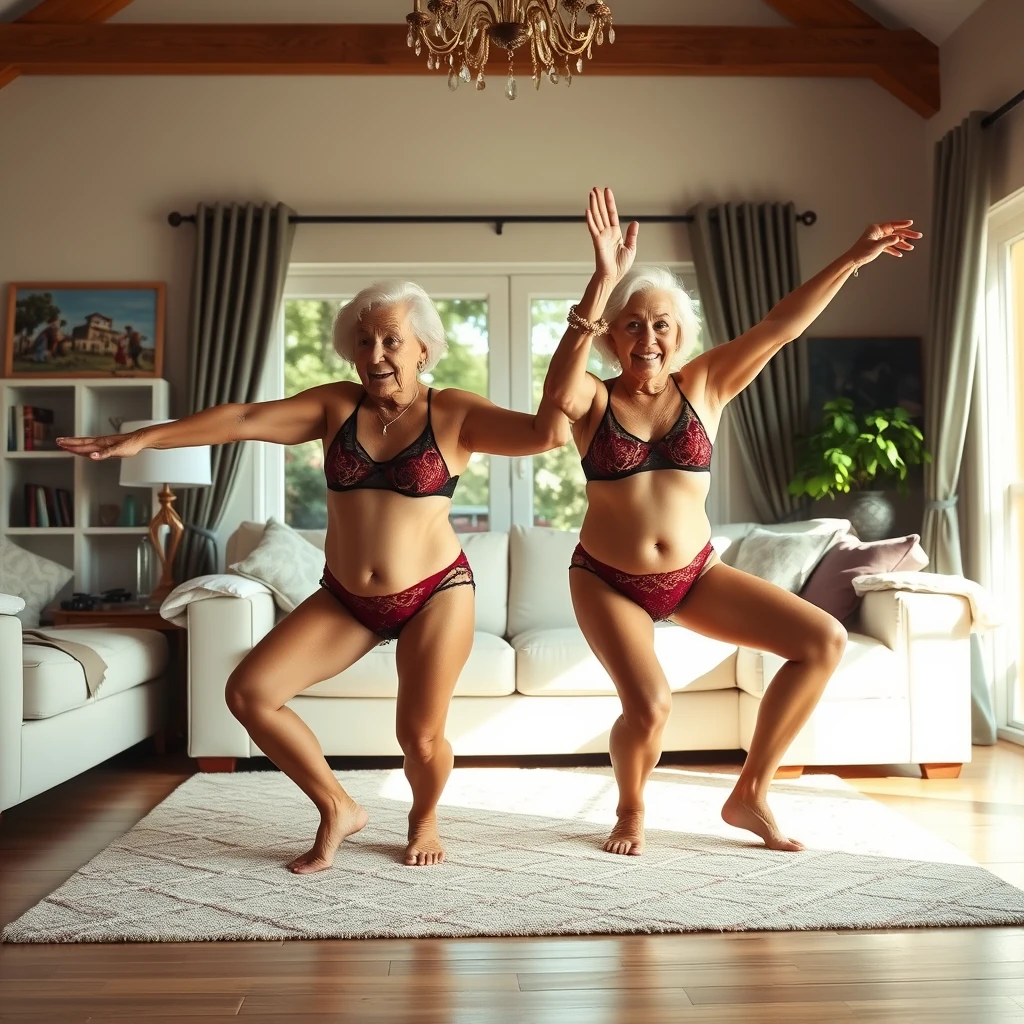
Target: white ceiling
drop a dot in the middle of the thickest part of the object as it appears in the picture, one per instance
(936, 19)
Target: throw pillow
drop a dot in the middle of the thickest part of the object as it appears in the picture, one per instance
(786, 559)
(286, 563)
(31, 577)
(11, 605)
(831, 584)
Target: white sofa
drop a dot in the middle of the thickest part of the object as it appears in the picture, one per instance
(50, 728)
(531, 686)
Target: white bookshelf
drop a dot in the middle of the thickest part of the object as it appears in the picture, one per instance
(101, 557)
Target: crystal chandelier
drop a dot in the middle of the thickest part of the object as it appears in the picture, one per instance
(458, 35)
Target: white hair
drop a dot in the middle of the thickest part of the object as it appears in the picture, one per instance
(647, 279)
(423, 318)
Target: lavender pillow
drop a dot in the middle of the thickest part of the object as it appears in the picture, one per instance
(831, 584)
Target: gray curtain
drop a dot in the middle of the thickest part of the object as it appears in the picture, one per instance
(241, 261)
(746, 259)
(960, 203)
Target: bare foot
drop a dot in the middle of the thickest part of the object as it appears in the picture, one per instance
(344, 821)
(424, 846)
(627, 837)
(756, 817)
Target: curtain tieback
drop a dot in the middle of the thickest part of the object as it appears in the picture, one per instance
(940, 504)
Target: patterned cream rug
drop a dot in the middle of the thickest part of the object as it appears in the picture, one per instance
(524, 858)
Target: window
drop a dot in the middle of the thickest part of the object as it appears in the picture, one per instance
(502, 331)
(1004, 405)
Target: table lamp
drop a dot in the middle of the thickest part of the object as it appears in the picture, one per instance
(166, 467)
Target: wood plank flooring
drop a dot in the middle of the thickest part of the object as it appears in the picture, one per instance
(936, 976)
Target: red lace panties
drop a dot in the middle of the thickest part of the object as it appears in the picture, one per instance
(658, 593)
(386, 614)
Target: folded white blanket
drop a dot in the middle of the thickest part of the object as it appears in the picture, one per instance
(984, 613)
(175, 606)
(11, 605)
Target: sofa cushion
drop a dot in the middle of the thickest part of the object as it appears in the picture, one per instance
(489, 672)
(36, 580)
(538, 586)
(787, 559)
(868, 670)
(286, 563)
(54, 681)
(559, 663)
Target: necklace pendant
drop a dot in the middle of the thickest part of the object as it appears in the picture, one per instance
(384, 430)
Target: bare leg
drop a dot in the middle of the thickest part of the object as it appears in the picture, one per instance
(316, 641)
(621, 635)
(432, 652)
(741, 609)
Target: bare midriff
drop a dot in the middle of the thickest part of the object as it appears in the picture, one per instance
(379, 542)
(649, 522)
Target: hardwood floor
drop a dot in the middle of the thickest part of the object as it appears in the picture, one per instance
(935, 976)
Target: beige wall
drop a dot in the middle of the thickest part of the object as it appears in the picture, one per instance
(94, 165)
(982, 67)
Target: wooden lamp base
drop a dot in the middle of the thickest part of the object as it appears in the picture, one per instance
(169, 518)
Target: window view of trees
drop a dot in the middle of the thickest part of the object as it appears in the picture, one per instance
(310, 360)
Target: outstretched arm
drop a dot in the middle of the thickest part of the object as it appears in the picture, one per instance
(302, 417)
(567, 383)
(731, 367)
(492, 430)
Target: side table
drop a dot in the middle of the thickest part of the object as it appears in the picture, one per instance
(136, 616)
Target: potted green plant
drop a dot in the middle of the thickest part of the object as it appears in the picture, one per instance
(848, 452)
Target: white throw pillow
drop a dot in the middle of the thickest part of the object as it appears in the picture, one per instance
(786, 559)
(201, 588)
(11, 605)
(286, 563)
(31, 577)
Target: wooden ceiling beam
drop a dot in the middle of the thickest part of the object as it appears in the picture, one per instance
(360, 49)
(56, 11)
(917, 85)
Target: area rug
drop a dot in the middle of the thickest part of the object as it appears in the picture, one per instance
(524, 858)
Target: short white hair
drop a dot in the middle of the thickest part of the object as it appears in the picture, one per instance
(649, 279)
(423, 318)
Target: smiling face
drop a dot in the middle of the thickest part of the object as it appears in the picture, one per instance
(387, 354)
(645, 335)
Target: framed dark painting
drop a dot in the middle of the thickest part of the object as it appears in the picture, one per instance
(875, 373)
(84, 330)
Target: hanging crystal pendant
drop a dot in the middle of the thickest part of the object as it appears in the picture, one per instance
(611, 34)
(480, 83)
(511, 89)
(418, 48)
(464, 73)
(553, 76)
(579, 66)
(453, 81)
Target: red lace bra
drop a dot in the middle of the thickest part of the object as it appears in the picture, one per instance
(615, 453)
(418, 471)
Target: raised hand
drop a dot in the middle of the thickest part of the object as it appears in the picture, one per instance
(613, 255)
(890, 237)
(108, 446)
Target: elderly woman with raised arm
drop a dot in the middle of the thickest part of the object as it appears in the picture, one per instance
(645, 552)
(393, 452)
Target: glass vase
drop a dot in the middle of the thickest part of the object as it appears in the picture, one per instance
(147, 570)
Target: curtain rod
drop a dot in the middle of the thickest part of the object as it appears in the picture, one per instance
(176, 219)
(1004, 109)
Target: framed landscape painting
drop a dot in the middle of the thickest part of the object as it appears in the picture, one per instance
(85, 330)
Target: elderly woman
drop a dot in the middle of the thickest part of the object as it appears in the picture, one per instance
(645, 552)
(393, 452)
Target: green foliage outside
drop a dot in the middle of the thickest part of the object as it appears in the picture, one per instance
(849, 451)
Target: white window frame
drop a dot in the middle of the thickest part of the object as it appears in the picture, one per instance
(1005, 228)
(509, 289)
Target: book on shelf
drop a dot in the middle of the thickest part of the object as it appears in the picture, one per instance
(30, 429)
(48, 506)
(65, 507)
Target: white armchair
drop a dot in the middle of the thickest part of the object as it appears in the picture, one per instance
(51, 729)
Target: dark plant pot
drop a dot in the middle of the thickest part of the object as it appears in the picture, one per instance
(872, 515)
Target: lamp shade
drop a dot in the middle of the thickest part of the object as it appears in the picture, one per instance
(176, 467)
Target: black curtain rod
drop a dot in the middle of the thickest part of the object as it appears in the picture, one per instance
(1004, 109)
(177, 219)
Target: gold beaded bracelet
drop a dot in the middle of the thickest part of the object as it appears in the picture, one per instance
(598, 327)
